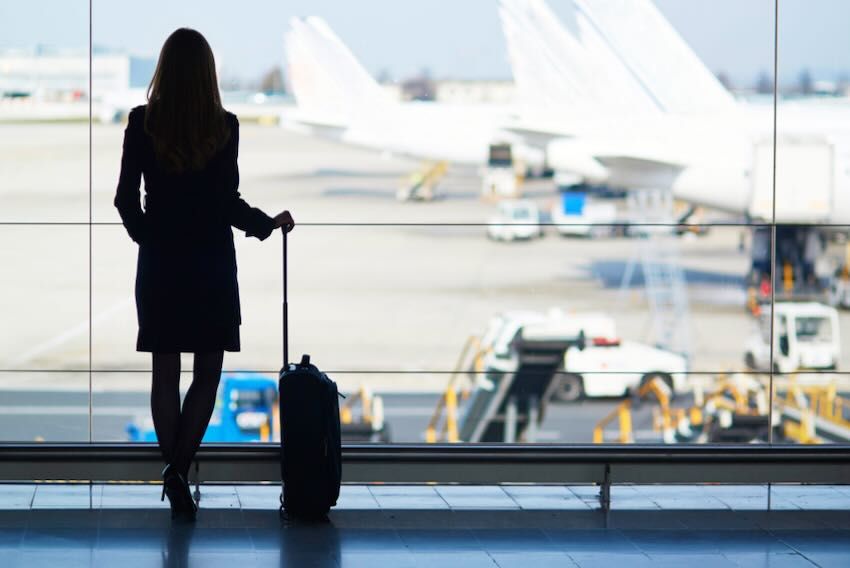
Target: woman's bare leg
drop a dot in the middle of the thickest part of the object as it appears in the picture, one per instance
(197, 407)
(165, 401)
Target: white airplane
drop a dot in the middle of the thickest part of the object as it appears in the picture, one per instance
(337, 98)
(618, 97)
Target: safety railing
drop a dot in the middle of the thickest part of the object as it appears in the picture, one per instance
(448, 463)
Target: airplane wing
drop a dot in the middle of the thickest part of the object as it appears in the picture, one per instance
(620, 163)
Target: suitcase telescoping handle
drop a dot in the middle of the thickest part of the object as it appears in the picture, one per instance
(285, 304)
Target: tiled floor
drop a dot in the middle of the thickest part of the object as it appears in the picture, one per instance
(442, 526)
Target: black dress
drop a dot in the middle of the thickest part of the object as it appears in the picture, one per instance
(187, 296)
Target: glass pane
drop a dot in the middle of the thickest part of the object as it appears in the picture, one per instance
(114, 307)
(115, 327)
(249, 75)
(44, 297)
(405, 298)
(812, 213)
(812, 408)
(44, 134)
(44, 406)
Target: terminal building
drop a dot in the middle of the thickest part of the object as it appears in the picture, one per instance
(63, 75)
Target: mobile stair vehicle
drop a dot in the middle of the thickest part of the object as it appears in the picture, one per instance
(607, 366)
(524, 362)
(511, 396)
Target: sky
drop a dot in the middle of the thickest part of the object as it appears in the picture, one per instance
(451, 38)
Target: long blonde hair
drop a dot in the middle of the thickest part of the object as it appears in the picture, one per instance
(184, 115)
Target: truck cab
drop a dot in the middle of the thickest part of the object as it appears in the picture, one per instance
(499, 179)
(805, 337)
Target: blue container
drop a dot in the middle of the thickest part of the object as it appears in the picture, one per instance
(573, 202)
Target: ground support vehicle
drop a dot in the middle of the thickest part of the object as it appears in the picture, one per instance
(805, 337)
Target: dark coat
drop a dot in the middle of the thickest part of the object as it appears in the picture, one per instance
(187, 296)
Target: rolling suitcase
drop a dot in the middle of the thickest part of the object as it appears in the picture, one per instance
(311, 453)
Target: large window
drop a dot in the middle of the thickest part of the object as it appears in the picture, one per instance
(570, 222)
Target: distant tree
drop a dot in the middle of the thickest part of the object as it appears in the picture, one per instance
(725, 80)
(419, 88)
(805, 83)
(231, 83)
(764, 83)
(272, 81)
(842, 86)
(384, 76)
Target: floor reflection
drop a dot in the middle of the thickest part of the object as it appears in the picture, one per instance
(175, 553)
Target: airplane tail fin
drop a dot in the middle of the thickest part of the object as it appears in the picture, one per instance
(536, 71)
(569, 65)
(324, 75)
(611, 55)
(658, 57)
(316, 91)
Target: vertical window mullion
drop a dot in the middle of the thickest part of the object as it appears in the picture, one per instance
(91, 95)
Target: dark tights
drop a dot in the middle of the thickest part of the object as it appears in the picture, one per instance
(180, 431)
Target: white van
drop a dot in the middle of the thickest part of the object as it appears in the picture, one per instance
(515, 219)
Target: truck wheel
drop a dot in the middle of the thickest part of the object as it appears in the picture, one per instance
(570, 388)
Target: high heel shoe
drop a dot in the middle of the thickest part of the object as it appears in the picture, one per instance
(189, 508)
(174, 485)
(171, 487)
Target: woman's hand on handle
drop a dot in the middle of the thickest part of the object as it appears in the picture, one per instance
(284, 220)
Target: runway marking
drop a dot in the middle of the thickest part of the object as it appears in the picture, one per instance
(77, 330)
(122, 410)
(79, 410)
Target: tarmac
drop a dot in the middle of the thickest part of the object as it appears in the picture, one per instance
(382, 292)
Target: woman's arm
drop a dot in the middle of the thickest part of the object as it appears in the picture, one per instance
(127, 195)
(253, 221)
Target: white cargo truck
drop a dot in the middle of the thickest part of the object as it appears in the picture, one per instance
(805, 337)
(576, 215)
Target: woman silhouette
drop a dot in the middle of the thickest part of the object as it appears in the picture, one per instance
(187, 298)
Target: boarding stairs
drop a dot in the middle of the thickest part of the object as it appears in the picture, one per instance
(664, 279)
(509, 404)
(506, 403)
